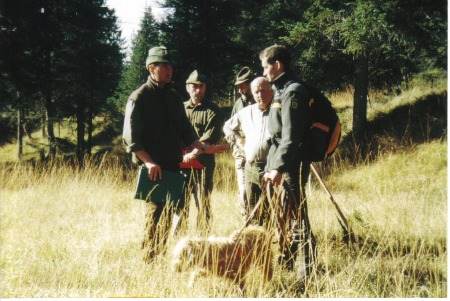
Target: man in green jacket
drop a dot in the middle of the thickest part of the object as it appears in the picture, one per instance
(204, 117)
(155, 130)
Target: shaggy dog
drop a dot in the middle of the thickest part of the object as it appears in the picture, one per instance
(230, 257)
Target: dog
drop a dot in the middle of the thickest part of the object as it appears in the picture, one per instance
(229, 257)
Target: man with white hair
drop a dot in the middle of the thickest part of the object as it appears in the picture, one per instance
(248, 130)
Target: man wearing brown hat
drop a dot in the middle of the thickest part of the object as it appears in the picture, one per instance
(155, 128)
(243, 80)
(204, 117)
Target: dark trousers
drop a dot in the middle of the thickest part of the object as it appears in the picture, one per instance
(159, 220)
(297, 178)
(200, 183)
(254, 172)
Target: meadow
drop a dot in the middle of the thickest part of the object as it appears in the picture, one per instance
(70, 232)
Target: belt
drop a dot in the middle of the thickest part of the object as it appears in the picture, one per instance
(274, 140)
(256, 163)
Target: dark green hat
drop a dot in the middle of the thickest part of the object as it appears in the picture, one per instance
(246, 74)
(196, 78)
(157, 55)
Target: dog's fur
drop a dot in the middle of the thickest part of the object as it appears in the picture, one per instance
(230, 257)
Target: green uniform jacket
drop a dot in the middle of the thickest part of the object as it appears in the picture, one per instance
(205, 120)
(289, 121)
(155, 121)
(238, 105)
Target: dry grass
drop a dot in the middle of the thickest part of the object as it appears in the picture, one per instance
(69, 233)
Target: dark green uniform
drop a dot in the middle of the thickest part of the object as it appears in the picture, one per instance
(155, 121)
(206, 122)
(289, 121)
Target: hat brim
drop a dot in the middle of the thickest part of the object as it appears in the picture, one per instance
(195, 82)
(157, 60)
(238, 82)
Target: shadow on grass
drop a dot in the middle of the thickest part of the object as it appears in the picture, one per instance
(421, 122)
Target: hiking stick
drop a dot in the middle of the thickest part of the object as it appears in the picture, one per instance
(252, 214)
(342, 221)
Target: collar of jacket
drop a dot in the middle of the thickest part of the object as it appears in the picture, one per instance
(190, 104)
(281, 81)
(152, 83)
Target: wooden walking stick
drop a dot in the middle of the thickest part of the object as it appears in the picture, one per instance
(348, 234)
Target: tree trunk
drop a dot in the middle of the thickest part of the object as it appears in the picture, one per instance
(90, 125)
(50, 120)
(80, 132)
(49, 108)
(360, 98)
(19, 128)
(43, 123)
(90, 130)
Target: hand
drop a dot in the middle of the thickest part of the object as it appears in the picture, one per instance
(214, 149)
(240, 142)
(154, 171)
(273, 176)
(189, 157)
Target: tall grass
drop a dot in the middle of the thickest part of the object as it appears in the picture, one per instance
(77, 233)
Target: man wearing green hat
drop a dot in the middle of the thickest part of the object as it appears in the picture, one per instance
(243, 80)
(155, 129)
(204, 117)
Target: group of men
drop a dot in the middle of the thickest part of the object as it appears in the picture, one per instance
(267, 130)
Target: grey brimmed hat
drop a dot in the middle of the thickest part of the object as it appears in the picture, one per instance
(246, 74)
(196, 78)
(157, 55)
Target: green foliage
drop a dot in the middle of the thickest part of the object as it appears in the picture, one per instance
(64, 57)
(134, 72)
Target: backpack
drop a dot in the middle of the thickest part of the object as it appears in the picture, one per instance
(325, 132)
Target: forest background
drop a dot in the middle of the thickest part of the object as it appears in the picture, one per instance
(64, 59)
(64, 82)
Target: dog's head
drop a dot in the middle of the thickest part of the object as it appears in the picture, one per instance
(182, 255)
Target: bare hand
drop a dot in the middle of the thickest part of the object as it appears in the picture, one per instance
(273, 176)
(188, 158)
(240, 142)
(154, 171)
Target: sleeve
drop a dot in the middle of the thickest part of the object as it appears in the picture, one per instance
(232, 128)
(294, 115)
(188, 134)
(236, 107)
(212, 130)
(132, 128)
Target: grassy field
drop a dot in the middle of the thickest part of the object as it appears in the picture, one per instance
(67, 232)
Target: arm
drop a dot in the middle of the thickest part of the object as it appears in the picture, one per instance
(232, 131)
(154, 170)
(211, 131)
(295, 119)
(199, 148)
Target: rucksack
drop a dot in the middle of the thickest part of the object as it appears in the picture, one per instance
(325, 132)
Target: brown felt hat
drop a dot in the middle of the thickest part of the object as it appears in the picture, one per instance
(246, 74)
